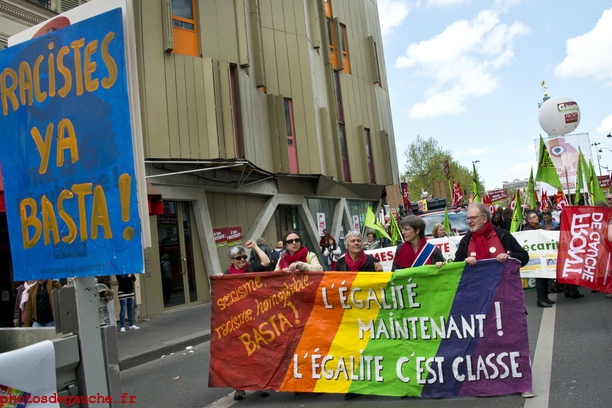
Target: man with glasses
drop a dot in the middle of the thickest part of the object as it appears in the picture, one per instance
(484, 241)
(609, 199)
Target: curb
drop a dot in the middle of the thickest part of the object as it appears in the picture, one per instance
(148, 356)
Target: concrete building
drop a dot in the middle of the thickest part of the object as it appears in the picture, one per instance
(258, 116)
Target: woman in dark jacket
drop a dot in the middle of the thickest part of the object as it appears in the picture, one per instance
(415, 251)
(126, 300)
(355, 259)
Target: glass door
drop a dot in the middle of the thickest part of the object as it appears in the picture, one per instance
(176, 254)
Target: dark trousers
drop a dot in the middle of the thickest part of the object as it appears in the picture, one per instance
(571, 290)
(542, 288)
(167, 289)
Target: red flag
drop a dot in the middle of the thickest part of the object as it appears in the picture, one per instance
(471, 198)
(457, 196)
(545, 203)
(560, 200)
(512, 203)
(406, 196)
(487, 201)
(584, 254)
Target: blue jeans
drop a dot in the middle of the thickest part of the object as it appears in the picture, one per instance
(50, 324)
(129, 303)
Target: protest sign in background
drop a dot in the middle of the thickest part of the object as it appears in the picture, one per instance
(458, 330)
(585, 248)
(541, 245)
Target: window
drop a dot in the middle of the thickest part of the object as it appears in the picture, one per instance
(184, 27)
(330, 33)
(290, 134)
(344, 152)
(368, 152)
(342, 130)
(42, 3)
(345, 52)
(337, 33)
(376, 65)
(233, 93)
(338, 97)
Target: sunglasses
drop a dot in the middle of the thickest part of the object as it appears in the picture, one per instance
(240, 258)
(291, 241)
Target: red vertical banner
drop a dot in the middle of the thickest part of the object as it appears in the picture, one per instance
(585, 248)
(405, 195)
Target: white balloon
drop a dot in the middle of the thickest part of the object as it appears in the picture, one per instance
(559, 116)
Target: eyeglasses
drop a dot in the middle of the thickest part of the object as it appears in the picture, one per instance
(240, 258)
(473, 218)
(291, 241)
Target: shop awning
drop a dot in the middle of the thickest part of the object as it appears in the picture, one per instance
(2, 203)
(154, 198)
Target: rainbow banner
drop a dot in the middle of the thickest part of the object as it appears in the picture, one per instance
(425, 332)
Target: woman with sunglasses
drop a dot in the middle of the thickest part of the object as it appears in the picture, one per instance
(239, 264)
(239, 259)
(296, 256)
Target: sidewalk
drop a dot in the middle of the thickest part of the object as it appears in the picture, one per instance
(163, 334)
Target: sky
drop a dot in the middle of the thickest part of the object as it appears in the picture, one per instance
(468, 74)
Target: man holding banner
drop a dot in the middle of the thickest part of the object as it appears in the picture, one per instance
(484, 241)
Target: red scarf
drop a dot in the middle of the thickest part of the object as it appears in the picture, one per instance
(299, 256)
(354, 266)
(479, 238)
(233, 270)
(407, 255)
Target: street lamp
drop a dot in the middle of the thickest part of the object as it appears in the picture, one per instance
(608, 170)
(598, 165)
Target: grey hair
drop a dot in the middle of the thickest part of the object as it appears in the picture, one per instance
(484, 210)
(235, 250)
(261, 241)
(350, 234)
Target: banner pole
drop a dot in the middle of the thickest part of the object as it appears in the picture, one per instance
(569, 195)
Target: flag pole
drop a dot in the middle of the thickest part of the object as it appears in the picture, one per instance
(569, 195)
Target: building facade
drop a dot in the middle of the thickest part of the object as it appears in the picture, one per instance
(258, 117)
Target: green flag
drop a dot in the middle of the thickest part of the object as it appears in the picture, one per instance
(517, 214)
(579, 179)
(586, 177)
(396, 235)
(446, 221)
(597, 194)
(546, 169)
(531, 191)
(372, 222)
(475, 188)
